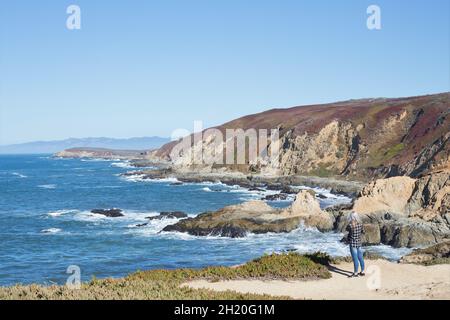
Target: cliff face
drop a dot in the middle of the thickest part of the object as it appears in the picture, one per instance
(426, 198)
(358, 138)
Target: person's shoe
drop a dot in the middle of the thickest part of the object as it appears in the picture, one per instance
(362, 274)
(353, 275)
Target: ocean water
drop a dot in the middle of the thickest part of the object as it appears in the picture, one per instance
(46, 225)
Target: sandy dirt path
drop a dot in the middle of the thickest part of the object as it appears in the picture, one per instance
(384, 280)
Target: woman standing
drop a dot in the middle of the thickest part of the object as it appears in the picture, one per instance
(355, 230)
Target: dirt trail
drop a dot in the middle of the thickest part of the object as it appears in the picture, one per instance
(384, 280)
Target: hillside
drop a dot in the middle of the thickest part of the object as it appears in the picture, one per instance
(356, 138)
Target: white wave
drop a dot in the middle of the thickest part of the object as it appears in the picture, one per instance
(211, 183)
(17, 174)
(328, 198)
(169, 180)
(124, 164)
(134, 178)
(389, 252)
(98, 160)
(51, 230)
(129, 216)
(206, 189)
(207, 183)
(58, 213)
(175, 235)
(47, 186)
(325, 192)
(153, 227)
(141, 178)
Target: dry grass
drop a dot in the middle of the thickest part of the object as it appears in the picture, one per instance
(166, 284)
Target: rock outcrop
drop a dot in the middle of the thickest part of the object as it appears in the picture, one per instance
(169, 215)
(308, 209)
(403, 212)
(111, 213)
(430, 198)
(256, 217)
(385, 195)
(396, 230)
(427, 198)
(434, 254)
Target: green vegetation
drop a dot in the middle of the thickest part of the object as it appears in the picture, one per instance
(392, 152)
(168, 284)
(275, 266)
(322, 171)
(381, 156)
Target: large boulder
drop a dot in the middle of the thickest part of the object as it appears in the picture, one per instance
(403, 234)
(257, 217)
(372, 234)
(307, 208)
(408, 212)
(385, 195)
(238, 220)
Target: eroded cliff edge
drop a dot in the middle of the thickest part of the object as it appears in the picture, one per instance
(356, 139)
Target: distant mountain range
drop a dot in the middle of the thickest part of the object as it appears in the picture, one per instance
(141, 143)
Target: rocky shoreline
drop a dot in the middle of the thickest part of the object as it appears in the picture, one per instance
(399, 211)
(281, 183)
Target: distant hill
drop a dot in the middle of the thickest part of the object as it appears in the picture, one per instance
(142, 143)
(101, 153)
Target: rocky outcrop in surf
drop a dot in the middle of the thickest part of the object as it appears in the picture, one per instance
(256, 217)
(400, 211)
(110, 213)
(307, 209)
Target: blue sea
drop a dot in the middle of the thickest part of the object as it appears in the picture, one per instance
(46, 224)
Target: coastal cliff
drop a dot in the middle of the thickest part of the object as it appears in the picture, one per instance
(399, 147)
(356, 139)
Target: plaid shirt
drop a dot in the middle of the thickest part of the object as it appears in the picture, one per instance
(354, 234)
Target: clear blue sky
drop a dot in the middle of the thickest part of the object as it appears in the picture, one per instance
(141, 68)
